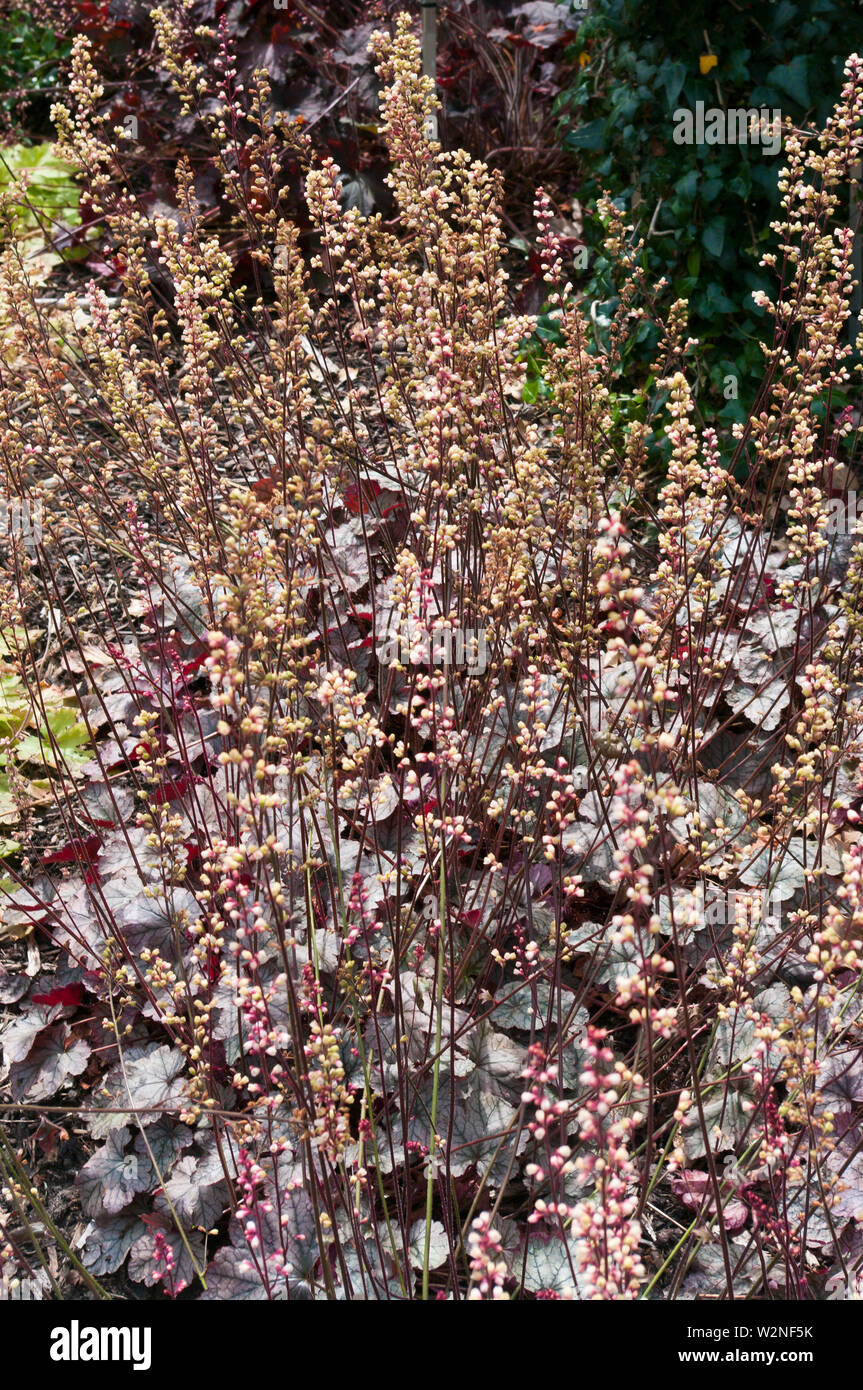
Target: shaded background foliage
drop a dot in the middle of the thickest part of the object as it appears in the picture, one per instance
(705, 210)
(500, 67)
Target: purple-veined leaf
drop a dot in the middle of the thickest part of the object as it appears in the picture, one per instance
(21, 1034)
(56, 1056)
(111, 1178)
(198, 1198)
(438, 1245)
(232, 1274)
(107, 1241)
(166, 1139)
(550, 1265)
(151, 1084)
(144, 1266)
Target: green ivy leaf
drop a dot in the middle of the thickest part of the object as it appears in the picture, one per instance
(793, 78)
(713, 237)
(591, 136)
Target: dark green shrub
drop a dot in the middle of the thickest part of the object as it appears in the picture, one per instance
(31, 55)
(704, 210)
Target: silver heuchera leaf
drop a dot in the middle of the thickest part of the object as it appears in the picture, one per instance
(233, 1275)
(111, 1178)
(592, 850)
(365, 1279)
(783, 869)
(107, 1242)
(707, 1276)
(550, 1264)
(735, 1035)
(611, 960)
(127, 853)
(165, 1139)
(56, 1056)
(481, 1119)
(438, 1245)
(184, 605)
(20, 1035)
(287, 1235)
(574, 1057)
(516, 1010)
(727, 1116)
(298, 1230)
(144, 1265)
(761, 707)
(346, 561)
(495, 1054)
(846, 1195)
(149, 1085)
(197, 1196)
(777, 628)
(841, 1079)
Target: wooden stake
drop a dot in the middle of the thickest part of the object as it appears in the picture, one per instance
(855, 208)
(429, 55)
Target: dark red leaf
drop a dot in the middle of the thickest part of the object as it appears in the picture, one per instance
(370, 490)
(63, 994)
(169, 791)
(264, 488)
(76, 851)
(195, 665)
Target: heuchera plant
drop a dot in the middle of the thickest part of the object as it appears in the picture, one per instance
(373, 977)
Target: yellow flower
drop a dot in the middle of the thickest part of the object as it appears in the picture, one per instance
(706, 62)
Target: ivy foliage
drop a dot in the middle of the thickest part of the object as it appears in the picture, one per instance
(32, 57)
(704, 210)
